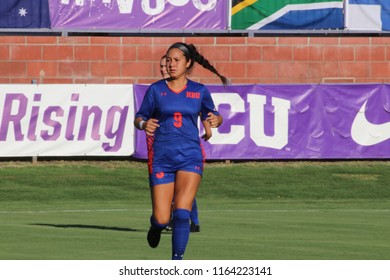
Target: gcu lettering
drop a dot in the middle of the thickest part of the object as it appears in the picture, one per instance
(149, 7)
(24, 119)
(256, 127)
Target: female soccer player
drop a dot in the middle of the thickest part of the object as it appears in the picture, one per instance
(194, 217)
(169, 114)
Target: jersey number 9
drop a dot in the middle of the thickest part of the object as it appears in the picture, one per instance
(178, 117)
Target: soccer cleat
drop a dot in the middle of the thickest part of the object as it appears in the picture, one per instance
(153, 237)
(194, 228)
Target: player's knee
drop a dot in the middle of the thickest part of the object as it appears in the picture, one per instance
(161, 219)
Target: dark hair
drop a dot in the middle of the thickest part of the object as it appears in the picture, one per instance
(191, 53)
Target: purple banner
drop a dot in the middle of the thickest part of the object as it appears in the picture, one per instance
(145, 14)
(295, 122)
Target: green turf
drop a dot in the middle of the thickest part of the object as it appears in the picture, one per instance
(267, 210)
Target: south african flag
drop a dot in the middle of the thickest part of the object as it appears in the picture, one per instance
(287, 14)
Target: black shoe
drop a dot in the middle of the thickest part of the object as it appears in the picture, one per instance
(153, 237)
(194, 228)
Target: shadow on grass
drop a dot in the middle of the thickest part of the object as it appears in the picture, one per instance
(90, 227)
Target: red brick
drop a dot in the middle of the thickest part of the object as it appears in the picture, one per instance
(245, 53)
(105, 69)
(230, 40)
(4, 52)
(231, 69)
(209, 81)
(353, 69)
(121, 53)
(380, 69)
(370, 53)
(330, 69)
(311, 53)
(41, 40)
(105, 40)
(149, 53)
(42, 69)
(261, 70)
(56, 81)
(261, 41)
(88, 80)
(143, 80)
(292, 69)
(315, 70)
(137, 69)
(371, 80)
(89, 52)
(58, 52)
(291, 41)
(198, 41)
(380, 41)
(148, 41)
(12, 40)
(387, 53)
(20, 80)
(324, 41)
(73, 69)
(26, 52)
(200, 72)
(241, 80)
(215, 53)
(333, 53)
(353, 41)
(73, 40)
(123, 80)
(11, 69)
(277, 53)
(338, 80)
(165, 42)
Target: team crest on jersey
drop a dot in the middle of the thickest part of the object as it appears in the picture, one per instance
(160, 175)
(192, 94)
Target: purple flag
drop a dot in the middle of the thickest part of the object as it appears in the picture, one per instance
(145, 14)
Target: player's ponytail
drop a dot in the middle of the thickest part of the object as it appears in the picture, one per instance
(191, 53)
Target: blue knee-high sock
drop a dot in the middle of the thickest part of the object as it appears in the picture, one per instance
(194, 213)
(181, 233)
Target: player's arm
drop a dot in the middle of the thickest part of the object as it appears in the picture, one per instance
(207, 129)
(149, 126)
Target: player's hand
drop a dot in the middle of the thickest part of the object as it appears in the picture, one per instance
(150, 126)
(214, 120)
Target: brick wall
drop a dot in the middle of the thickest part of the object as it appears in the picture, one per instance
(280, 60)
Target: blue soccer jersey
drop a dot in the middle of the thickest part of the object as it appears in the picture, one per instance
(176, 144)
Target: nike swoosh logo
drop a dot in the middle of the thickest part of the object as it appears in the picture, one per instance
(367, 134)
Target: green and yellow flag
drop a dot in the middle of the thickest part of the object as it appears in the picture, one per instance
(287, 14)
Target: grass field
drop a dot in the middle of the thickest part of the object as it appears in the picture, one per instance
(99, 210)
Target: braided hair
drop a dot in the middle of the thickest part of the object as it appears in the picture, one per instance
(191, 53)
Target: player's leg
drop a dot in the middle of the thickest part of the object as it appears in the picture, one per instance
(194, 217)
(162, 196)
(186, 186)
